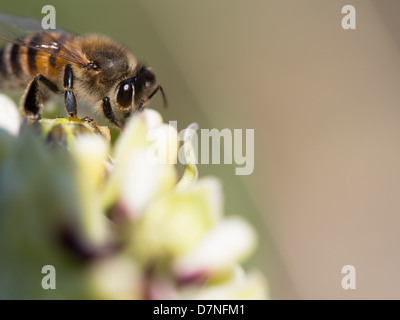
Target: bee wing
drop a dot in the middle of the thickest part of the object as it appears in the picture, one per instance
(13, 27)
(19, 30)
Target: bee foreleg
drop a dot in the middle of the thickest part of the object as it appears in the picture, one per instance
(33, 99)
(109, 114)
(69, 97)
(141, 106)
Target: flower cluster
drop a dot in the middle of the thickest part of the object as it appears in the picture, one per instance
(115, 221)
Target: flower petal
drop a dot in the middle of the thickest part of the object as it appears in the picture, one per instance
(237, 286)
(176, 223)
(115, 278)
(143, 181)
(230, 241)
(89, 152)
(10, 119)
(132, 138)
(152, 118)
(164, 144)
(191, 174)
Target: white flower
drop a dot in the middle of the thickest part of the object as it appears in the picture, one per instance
(137, 230)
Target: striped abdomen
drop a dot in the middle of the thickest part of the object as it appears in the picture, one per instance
(19, 64)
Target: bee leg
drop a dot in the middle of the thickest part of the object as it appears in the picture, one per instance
(87, 119)
(109, 114)
(127, 115)
(69, 97)
(32, 101)
(141, 106)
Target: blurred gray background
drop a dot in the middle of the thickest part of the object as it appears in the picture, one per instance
(324, 105)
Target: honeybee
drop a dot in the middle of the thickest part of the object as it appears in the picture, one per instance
(93, 68)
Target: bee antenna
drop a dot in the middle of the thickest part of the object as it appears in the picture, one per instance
(163, 95)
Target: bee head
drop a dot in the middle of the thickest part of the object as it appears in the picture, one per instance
(135, 92)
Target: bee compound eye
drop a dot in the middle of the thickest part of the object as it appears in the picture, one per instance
(125, 94)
